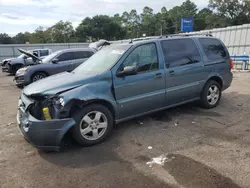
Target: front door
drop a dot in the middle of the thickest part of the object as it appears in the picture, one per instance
(64, 62)
(185, 73)
(145, 91)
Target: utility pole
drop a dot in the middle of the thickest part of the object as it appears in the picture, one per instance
(161, 29)
(176, 26)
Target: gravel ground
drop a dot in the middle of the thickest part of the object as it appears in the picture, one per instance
(196, 148)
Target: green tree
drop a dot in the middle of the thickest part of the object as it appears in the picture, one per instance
(237, 11)
(202, 19)
(147, 21)
(187, 9)
(62, 32)
(39, 36)
(166, 23)
(99, 27)
(5, 39)
(22, 38)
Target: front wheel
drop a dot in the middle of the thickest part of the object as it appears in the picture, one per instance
(38, 76)
(93, 124)
(211, 94)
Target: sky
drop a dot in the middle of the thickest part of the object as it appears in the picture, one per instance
(26, 15)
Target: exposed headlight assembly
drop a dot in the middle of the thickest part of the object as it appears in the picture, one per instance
(58, 101)
(52, 107)
(22, 70)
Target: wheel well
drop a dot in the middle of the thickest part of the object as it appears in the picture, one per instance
(19, 65)
(77, 104)
(217, 79)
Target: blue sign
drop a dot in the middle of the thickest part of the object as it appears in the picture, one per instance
(187, 25)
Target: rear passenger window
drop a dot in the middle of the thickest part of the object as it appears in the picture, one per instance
(180, 52)
(66, 56)
(44, 53)
(213, 49)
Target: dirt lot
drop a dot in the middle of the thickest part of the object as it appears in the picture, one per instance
(201, 148)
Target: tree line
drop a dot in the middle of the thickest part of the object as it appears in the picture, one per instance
(218, 13)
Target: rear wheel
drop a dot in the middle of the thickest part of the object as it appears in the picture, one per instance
(93, 124)
(38, 76)
(211, 94)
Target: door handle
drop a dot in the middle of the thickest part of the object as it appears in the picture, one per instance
(158, 75)
(171, 72)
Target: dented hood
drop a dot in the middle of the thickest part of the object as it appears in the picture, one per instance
(59, 83)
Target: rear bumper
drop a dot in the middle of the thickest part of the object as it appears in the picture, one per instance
(42, 134)
(227, 80)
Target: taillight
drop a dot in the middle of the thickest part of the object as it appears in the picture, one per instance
(231, 64)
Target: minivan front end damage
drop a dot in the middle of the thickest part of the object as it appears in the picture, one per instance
(43, 121)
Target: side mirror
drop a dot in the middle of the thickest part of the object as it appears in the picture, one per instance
(127, 71)
(55, 61)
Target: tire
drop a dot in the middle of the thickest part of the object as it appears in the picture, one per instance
(211, 94)
(38, 76)
(88, 134)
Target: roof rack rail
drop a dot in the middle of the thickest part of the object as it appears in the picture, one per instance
(188, 35)
(142, 38)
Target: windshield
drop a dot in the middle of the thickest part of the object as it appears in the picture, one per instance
(102, 60)
(50, 57)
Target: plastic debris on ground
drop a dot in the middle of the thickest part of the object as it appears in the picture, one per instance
(157, 160)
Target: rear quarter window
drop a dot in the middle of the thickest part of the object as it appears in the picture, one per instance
(213, 49)
(83, 54)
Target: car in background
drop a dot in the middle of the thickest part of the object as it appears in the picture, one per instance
(59, 61)
(13, 64)
(121, 82)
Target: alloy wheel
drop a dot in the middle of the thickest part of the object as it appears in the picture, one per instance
(93, 125)
(213, 95)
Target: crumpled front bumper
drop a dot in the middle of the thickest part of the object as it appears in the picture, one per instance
(43, 134)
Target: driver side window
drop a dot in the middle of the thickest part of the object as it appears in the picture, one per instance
(144, 58)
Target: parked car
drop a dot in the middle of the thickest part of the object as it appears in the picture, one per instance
(60, 61)
(13, 64)
(121, 82)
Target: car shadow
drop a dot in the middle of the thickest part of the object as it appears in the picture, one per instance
(73, 155)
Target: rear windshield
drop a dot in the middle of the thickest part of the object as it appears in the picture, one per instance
(213, 48)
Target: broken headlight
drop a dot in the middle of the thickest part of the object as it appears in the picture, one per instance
(52, 107)
(58, 101)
